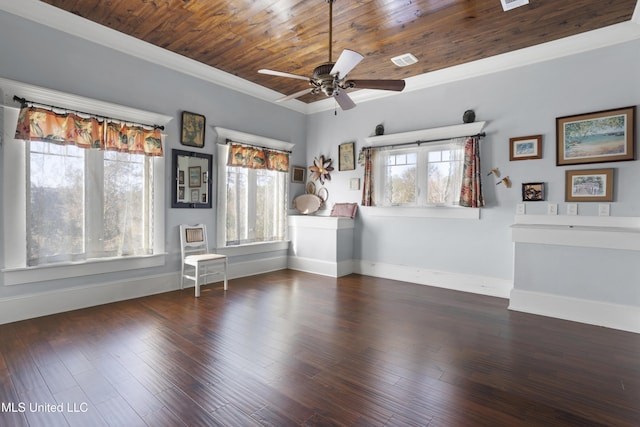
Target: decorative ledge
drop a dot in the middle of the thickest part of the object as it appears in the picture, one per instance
(621, 233)
(446, 132)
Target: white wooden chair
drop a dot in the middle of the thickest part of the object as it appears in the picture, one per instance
(197, 262)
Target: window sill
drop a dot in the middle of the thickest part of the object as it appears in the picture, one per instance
(43, 273)
(448, 212)
(253, 248)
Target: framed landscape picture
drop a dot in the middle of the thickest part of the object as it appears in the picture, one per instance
(525, 147)
(590, 185)
(603, 136)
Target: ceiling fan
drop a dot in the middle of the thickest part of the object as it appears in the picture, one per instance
(331, 78)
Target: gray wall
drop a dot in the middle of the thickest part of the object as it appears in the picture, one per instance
(518, 102)
(38, 55)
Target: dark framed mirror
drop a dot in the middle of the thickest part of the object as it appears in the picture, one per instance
(191, 179)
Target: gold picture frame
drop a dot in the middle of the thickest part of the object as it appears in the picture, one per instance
(589, 185)
(602, 136)
(193, 127)
(525, 147)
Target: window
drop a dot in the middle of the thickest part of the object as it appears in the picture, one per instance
(256, 205)
(85, 204)
(425, 175)
(69, 211)
(252, 192)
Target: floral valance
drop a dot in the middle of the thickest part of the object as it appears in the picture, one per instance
(257, 158)
(40, 124)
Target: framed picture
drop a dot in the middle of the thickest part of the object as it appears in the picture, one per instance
(603, 136)
(194, 176)
(181, 177)
(346, 159)
(533, 191)
(192, 129)
(354, 184)
(589, 185)
(525, 147)
(180, 193)
(195, 196)
(298, 174)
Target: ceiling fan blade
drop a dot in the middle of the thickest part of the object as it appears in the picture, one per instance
(294, 95)
(344, 101)
(346, 62)
(281, 74)
(397, 85)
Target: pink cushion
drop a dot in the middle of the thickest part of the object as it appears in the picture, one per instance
(344, 209)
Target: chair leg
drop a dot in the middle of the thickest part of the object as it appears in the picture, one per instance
(197, 280)
(182, 277)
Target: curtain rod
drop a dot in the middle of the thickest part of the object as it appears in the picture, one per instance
(230, 141)
(478, 135)
(24, 102)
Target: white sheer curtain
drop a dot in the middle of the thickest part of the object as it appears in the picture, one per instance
(87, 204)
(256, 196)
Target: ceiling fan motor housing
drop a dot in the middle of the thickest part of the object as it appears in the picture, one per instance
(323, 79)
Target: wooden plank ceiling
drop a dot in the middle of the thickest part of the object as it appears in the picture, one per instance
(292, 36)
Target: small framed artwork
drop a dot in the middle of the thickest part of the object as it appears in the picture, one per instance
(298, 174)
(193, 126)
(589, 185)
(533, 191)
(181, 177)
(195, 196)
(354, 184)
(180, 193)
(194, 176)
(603, 136)
(525, 147)
(346, 159)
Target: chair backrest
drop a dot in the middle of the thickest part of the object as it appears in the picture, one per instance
(193, 239)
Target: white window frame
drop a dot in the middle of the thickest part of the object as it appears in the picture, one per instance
(14, 266)
(441, 133)
(224, 135)
(422, 164)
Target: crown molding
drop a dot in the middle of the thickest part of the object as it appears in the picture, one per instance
(61, 20)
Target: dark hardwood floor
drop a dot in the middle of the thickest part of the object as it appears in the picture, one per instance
(290, 348)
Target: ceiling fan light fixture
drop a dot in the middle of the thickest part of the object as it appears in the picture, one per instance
(404, 60)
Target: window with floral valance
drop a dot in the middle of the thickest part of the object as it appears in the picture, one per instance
(255, 181)
(91, 185)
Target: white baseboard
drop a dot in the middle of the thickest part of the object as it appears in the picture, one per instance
(259, 266)
(29, 306)
(324, 268)
(615, 316)
(23, 307)
(483, 285)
